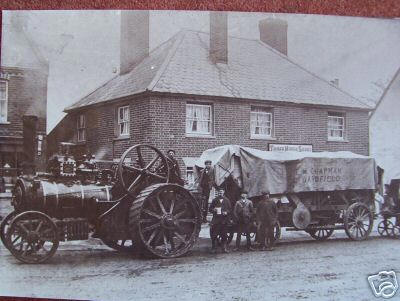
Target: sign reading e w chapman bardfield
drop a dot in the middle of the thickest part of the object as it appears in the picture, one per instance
(290, 147)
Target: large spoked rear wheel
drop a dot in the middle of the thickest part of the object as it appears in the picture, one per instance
(32, 237)
(5, 225)
(140, 166)
(165, 221)
(358, 221)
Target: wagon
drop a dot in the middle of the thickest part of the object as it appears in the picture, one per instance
(136, 209)
(315, 192)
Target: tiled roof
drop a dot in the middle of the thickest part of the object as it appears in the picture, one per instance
(254, 71)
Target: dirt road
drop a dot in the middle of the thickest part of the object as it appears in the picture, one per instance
(300, 268)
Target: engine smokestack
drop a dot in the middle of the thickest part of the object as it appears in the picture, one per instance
(29, 140)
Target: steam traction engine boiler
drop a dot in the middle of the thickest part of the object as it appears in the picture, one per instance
(133, 207)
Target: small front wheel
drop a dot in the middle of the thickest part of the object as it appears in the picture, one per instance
(32, 237)
(385, 228)
(5, 225)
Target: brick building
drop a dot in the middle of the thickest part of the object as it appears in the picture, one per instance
(200, 90)
(23, 98)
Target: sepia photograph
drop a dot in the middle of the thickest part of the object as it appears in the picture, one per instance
(199, 155)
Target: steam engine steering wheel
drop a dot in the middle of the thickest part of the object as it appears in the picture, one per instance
(140, 166)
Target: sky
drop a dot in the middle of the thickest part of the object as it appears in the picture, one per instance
(82, 47)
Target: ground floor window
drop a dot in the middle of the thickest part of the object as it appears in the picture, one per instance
(189, 175)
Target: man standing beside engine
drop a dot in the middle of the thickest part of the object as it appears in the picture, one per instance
(267, 217)
(206, 183)
(221, 209)
(243, 213)
(174, 169)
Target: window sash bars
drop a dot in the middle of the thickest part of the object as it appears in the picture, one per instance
(261, 123)
(123, 120)
(336, 127)
(198, 119)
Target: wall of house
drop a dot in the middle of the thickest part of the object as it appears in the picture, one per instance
(101, 134)
(27, 95)
(293, 125)
(160, 121)
(385, 132)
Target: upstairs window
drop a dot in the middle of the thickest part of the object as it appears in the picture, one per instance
(198, 119)
(3, 100)
(261, 122)
(81, 128)
(336, 126)
(123, 121)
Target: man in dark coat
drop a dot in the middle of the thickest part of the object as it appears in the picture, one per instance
(206, 183)
(267, 217)
(243, 214)
(175, 171)
(221, 210)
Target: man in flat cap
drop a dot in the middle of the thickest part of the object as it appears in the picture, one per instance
(175, 171)
(206, 183)
(267, 217)
(221, 210)
(243, 214)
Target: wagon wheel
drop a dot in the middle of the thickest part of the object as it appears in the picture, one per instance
(5, 225)
(358, 221)
(385, 228)
(147, 166)
(121, 245)
(320, 234)
(165, 221)
(32, 237)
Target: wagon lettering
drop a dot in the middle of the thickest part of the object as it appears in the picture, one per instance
(325, 170)
(321, 179)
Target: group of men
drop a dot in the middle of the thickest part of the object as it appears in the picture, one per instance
(227, 216)
(242, 218)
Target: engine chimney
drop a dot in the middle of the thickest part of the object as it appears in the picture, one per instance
(134, 38)
(219, 37)
(29, 128)
(274, 33)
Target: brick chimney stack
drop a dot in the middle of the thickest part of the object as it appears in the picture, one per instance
(219, 37)
(274, 33)
(134, 38)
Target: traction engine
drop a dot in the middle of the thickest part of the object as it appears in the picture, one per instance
(131, 207)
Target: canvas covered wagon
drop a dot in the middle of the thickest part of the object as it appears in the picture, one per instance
(317, 192)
